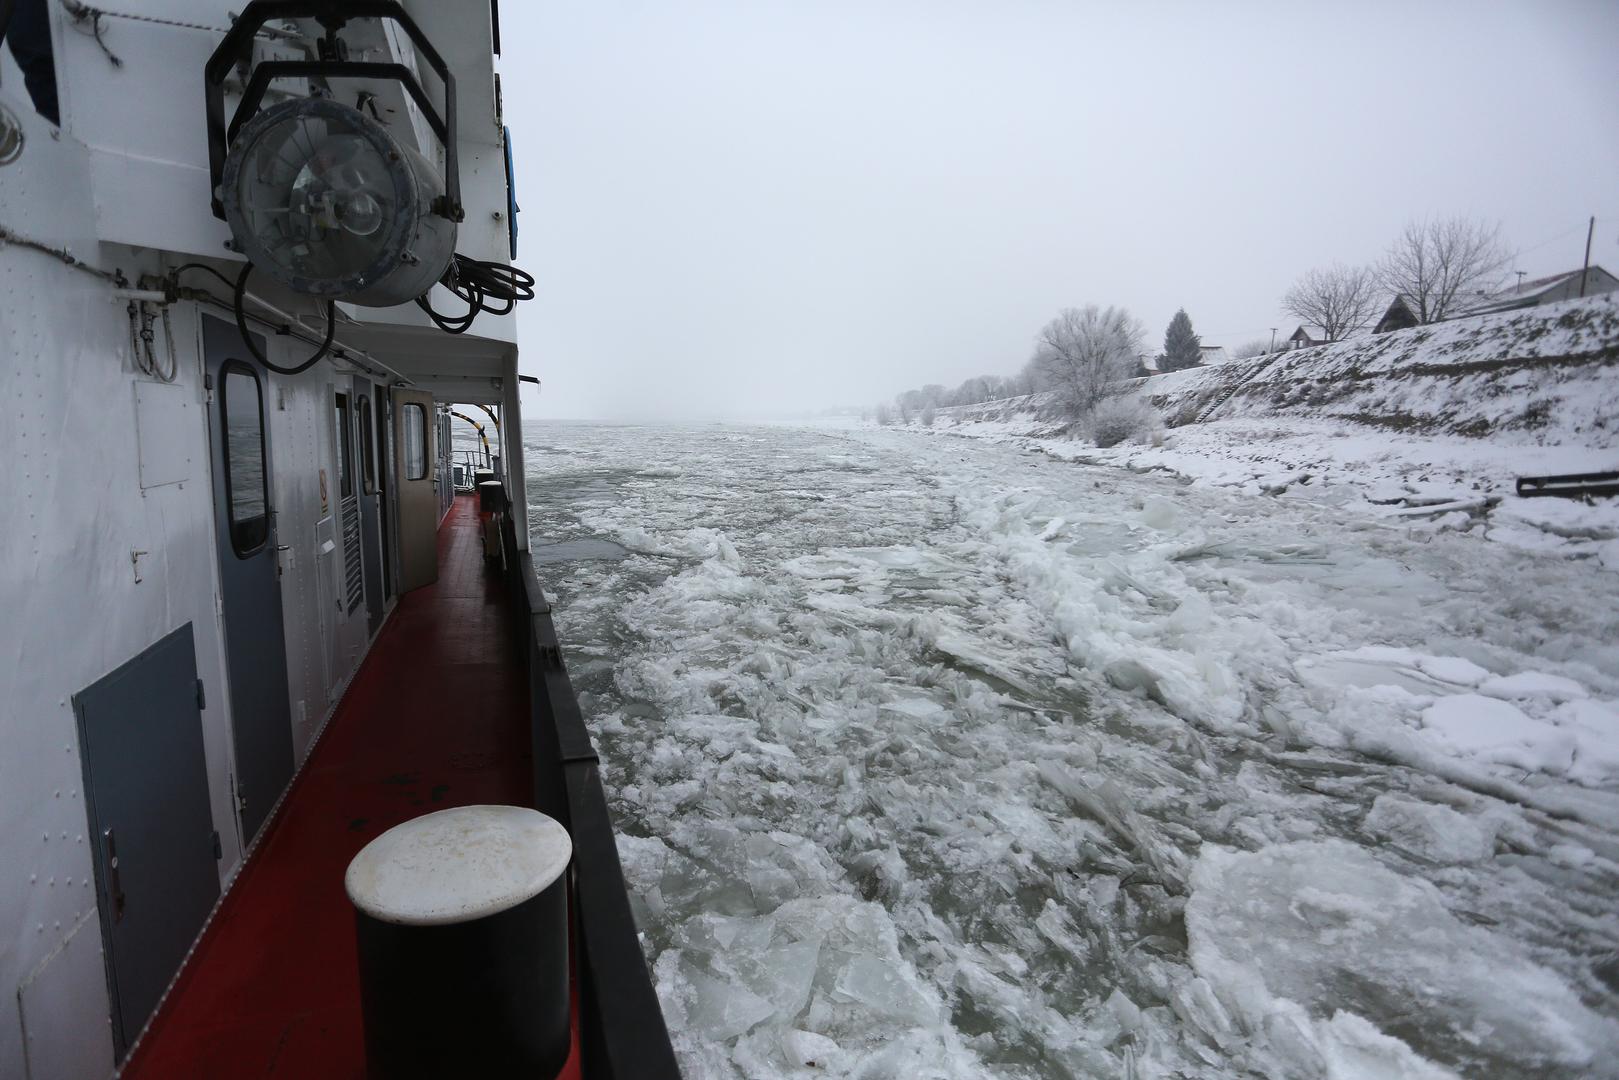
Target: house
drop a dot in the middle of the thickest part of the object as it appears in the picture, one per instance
(1546, 290)
(1212, 354)
(1301, 339)
(1399, 316)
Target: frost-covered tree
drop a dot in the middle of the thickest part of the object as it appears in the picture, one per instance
(1084, 353)
(1180, 344)
(1439, 265)
(1256, 347)
(1339, 299)
(927, 415)
(885, 415)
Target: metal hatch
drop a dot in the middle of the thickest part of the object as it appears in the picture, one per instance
(146, 786)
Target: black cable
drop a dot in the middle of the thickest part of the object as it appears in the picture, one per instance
(478, 283)
(205, 268)
(240, 293)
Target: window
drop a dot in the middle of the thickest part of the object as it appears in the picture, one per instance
(345, 449)
(247, 492)
(368, 449)
(415, 442)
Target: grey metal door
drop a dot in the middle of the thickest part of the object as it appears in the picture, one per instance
(415, 486)
(146, 787)
(365, 422)
(255, 649)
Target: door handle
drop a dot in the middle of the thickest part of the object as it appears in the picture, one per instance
(115, 884)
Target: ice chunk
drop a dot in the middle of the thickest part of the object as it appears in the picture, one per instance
(1353, 1047)
(808, 1049)
(1430, 831)
(1595, 727)
(1452, 669)
(783, 976)
(1160, 514)
(1194, 1002)
(884, 988)
(1489, 729)
(1531, 685)
(721, 1009)
(1324, 927)
(1125, 1011)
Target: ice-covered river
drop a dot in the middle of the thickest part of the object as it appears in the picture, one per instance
(935, 758)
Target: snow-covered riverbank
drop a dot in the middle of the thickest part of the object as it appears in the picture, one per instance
(947, 759)
(1430, 427)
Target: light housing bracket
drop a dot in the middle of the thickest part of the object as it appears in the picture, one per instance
(237, 50)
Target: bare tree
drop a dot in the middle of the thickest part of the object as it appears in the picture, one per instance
(1438, 265)
(1084, 353)
(1340, 299)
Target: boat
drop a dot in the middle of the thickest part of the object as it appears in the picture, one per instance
(256, 273)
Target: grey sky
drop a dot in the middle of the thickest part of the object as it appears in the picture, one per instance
(746, 208)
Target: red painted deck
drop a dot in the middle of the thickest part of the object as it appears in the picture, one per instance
(437, 716)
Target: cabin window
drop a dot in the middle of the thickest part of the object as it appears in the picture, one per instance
(368, 449)
(415, 442)
(345, 448)
(247, 491)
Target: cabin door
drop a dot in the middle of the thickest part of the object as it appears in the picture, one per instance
(250, 592)
(415, 486)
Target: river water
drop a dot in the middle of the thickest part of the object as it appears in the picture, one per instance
(937, 758)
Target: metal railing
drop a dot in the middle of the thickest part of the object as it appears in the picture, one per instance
(622, 1032)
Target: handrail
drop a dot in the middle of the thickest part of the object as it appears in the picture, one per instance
(623, 1035)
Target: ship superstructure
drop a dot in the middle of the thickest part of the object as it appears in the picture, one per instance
(249, 621)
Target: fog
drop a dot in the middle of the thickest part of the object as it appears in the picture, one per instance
(751, 210)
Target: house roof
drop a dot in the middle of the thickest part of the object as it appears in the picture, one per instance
(1529, 290)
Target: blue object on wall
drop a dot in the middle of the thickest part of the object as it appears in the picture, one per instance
(511, 194)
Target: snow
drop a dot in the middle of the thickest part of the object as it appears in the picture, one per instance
(1490, 730)
(942, 758)
(1390, 425)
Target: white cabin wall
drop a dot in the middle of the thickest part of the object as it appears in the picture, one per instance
(72, 607)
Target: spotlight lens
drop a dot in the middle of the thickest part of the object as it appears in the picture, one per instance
(325, 200)
(318, 194)
(334, 188)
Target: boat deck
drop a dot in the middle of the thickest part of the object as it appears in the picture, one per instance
(437, 716)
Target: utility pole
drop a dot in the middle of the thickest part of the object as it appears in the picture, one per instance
(1586, 269)
(1272, 341)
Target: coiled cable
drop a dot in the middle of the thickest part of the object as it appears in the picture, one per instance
(485, 287)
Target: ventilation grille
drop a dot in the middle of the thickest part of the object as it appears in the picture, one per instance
(353, 576)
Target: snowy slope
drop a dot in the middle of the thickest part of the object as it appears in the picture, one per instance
(1429, 427)
(1543, 375)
